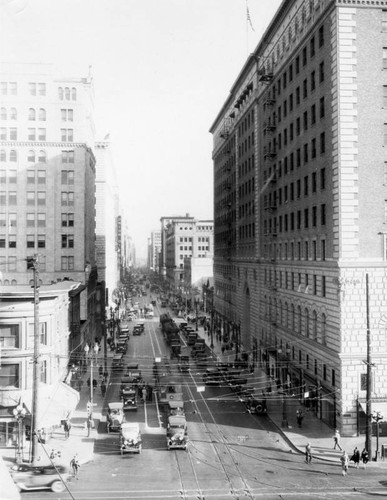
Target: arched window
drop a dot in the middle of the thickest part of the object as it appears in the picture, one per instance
(3, 155)
(299, 325)
(13, 114)
(3, 114)
(74, 94)
(13, 282)
(307, 325)
(323, 329)
(60, 93)
(314, 325)
(31, 155)
(67, 94)
(13, 155)
(42, 157)
(31, 114)
(42, 114)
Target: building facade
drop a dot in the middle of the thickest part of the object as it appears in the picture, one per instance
(154, 249)
(300, 210)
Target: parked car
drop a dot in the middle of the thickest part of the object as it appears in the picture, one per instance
(130, 438)
(115, 416)
(118, 362)
(28, 477)
(129, 398)
(137, 330)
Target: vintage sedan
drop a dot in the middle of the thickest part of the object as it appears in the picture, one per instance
(130, 438)
(28, 477)
(115, 417)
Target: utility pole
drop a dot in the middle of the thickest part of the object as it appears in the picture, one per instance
(32, 263)
(368, 441)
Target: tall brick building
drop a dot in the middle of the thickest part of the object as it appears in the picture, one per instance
(300, 205)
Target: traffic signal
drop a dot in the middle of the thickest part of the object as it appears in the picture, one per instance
(88, 406)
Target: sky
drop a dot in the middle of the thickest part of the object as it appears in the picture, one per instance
(162, 70)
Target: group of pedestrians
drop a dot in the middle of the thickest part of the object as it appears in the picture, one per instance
(344, 458)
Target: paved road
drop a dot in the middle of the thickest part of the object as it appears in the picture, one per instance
(231, 453)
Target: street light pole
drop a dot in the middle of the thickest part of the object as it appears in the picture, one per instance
(19, 413)
(377, 416)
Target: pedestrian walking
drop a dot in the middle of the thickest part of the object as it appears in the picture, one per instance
(144, 394)
(336, 440)
(308, 453)
(88, 426)
(300, 417)
(67, 428)
(74, 464)
(364, 457)
(356, 457)
(149, 391)
(103, 388)
(344, 463)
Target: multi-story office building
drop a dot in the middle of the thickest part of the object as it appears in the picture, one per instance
(300, 212)
(154, 249)
(185, 237)
(47, 174)
(108, 254)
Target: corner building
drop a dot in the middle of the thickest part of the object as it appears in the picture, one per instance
(300, 206)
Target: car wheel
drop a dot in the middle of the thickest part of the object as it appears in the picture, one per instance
(57, 486)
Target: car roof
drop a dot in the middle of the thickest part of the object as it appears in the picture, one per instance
(177, 420)
(130, 426)
(176, 403)
(115, 406)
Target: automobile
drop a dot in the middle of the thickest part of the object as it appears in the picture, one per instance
(137, 330)
(176, 407)
(130, 438)
(213, 376)
(124, 329)
(115, 417)
(149, 314)
(164, 303)
(118, 362)
(28, 477)
(129, 398)
(177, 432)
(121, 347)
(255, 405)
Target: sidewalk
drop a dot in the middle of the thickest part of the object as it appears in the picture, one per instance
(78, 442)
(313, 430)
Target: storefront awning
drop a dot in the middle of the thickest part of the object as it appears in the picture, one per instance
(376, 406)
(55, 403)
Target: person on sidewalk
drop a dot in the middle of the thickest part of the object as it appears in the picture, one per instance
(344, 463)
(308, 453)
(74, 464)
(300, 417)
(103, 388)
(88, 425)
(356, 457)
(67, 428)
(144, 394)
(364, 457)
(336, 440)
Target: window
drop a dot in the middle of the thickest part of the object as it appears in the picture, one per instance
(305, 119)
(322, 143)
(322, 215)
(30, 179)
(314, 152)
(41, 241)
(321, 72)
(42, 333)
(67, 115)
(42, 157)
(333, 378)
(304, 57)
(13, 155)
(67, 199)
(312, 81)
(74, 94)
(13, 134)
(297, 64)
(13, 114)
(298, 96)
(67, 241)
(9, 375)
(12, 241)
(3, 177)
(41, 220)
(67, 134)
(67, 156)
(12, 220)
(321, 36)
(322, 178)
(41, 134)
(3, 114)
(31, 134)
(3, 155)
(32, 114)
(312, 47)
(306, 153)
(12, 176)
(31, 219)
(32, 88)
(41, 177)
(41, 198)
(12, 264)
(67, 177)
(31, 156)
(42, 115)
(60, 93)
(42, 88)
(322, 107)
(3, 134)
(12, 198)
(30, 241)
(306, 218)
(305, 88)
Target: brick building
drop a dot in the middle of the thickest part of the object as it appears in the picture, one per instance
(300, 212)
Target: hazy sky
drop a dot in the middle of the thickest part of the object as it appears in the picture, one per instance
(162, 70)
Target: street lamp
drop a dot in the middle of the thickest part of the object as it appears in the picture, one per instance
(95, 349)
(377, 416)
(19, 413)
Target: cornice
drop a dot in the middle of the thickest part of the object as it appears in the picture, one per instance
(362, 3)
(32, 144)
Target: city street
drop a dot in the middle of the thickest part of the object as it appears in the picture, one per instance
(231, 453)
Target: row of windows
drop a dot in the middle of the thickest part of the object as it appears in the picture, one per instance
(11, 88)
(33, 198)
(32, 156)
(33, 134)
(300, 282)
(302, 155)
(33, 220)
(300, 219)
(35, 177)
(67, 115)
(296, 250)
(32, 241)
(10, 335)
